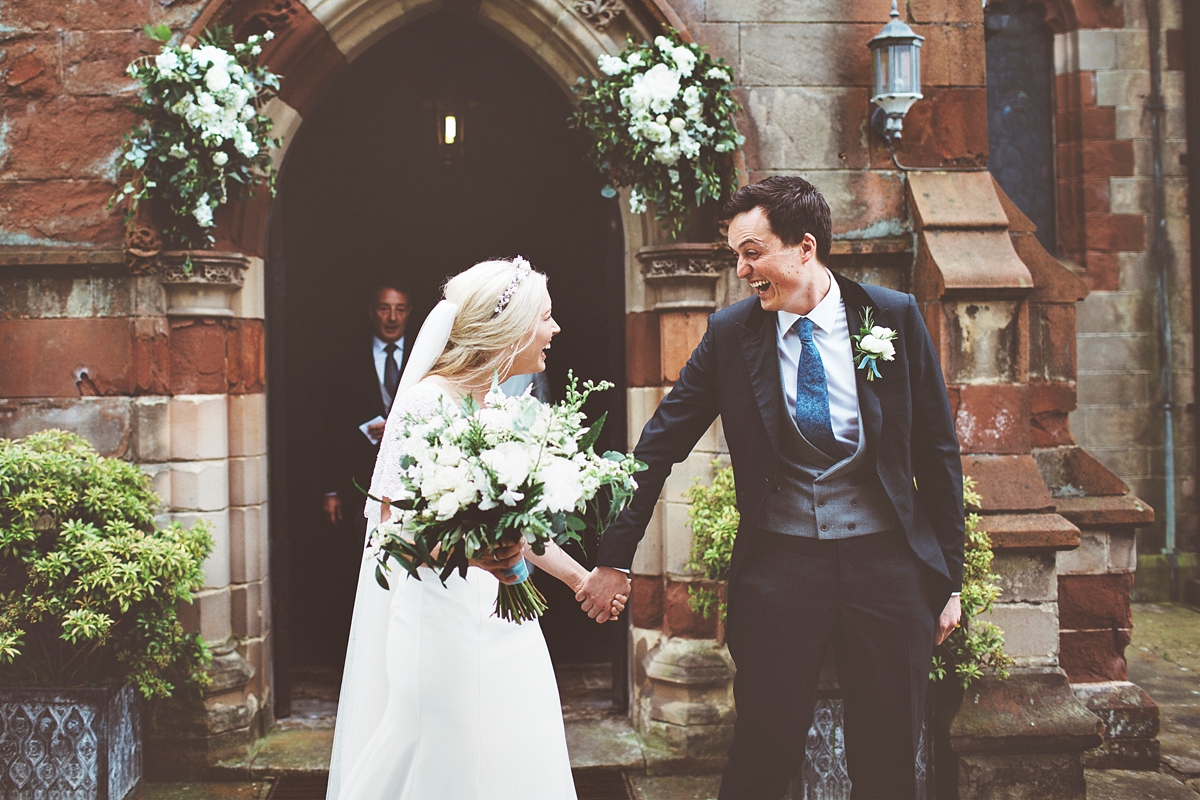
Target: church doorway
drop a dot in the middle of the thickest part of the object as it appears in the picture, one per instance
(371, 190)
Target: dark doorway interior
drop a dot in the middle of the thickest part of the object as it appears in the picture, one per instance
(365, 192)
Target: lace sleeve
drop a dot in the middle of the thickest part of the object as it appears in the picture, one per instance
(422, 400)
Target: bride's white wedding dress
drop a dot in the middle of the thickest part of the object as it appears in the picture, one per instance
(440, 700)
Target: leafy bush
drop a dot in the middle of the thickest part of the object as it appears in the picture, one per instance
(974, 648)
(88, 585)
(713, 517)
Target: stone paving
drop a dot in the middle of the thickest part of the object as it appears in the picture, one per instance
(1164, 659)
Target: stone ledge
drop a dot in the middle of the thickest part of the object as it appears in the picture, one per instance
(1029, 533)
(60, 256)
(1101, 511)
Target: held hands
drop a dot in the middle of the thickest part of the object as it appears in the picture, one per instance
(375, 430)
(604, 593)
(948, 621)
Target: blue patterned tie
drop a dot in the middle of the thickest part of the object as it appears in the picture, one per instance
(812, 394)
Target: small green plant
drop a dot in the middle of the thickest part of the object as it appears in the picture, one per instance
(713, 517)
(976, 647)
(89, 586)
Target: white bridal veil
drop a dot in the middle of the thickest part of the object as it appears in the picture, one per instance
(364, 682)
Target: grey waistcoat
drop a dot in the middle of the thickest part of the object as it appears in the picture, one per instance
(817, 497)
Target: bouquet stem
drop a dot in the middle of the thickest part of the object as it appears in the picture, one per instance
(517, 602)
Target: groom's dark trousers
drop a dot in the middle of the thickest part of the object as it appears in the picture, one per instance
(873, 598)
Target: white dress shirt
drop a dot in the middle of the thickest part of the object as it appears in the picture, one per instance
(831, 335)
(379, 349)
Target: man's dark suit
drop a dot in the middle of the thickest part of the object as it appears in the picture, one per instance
(355, 398)
(734, 372)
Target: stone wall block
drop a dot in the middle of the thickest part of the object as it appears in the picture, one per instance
(1032, 776)
(160, 476)
(677, 538)
(1090, 558)
(1026, 577)
(64, 137)
(251, 301)
(993, 418)
(31, 66)
(197, 356)
(1101, 601)
(106, 422)
(246, 609)
(94, 62)
(648, 559)
(151, 355)
(954, 11)
(805, 128)
(679, 332)
(948, 127)
(208, 615)
(1030, 632)
(989, 343)
(798, 55)
(1122, 550)
(795, 11)
(245, 356)
(247, 480)
(1053, 350)
(643, 353)
(1123, 87)
(64, 357)
(61, 212)
(646, 601)
(199, 427)
(200, 485)
(247, 424)
(678, 617)
(246, 533)
(1096, 49)
(151, 429)
(216, 566)
(1050, 406)
(1106, 312)
(1095, 655)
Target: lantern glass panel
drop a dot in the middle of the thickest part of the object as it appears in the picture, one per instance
(902, 68)
(881, 70)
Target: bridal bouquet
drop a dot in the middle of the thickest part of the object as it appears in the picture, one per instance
(474, 478)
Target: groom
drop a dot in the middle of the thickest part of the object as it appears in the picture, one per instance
(850, 493)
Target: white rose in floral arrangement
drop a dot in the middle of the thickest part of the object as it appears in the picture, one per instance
(167, 61)
(203, 211)
(611, 65)
(217, 79)
(220, 158)
(661, 85)
(562, 486)
(510, 461)
(684, 59)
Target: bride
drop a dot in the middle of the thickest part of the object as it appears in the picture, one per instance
(439, 698)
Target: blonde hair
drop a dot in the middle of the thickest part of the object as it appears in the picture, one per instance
(483, 342)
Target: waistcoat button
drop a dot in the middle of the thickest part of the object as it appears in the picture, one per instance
(851, 526)
(820, 504)
(824, 527)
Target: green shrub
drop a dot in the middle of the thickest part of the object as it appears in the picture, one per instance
(89, 586)
(974, 648)
(713, 517)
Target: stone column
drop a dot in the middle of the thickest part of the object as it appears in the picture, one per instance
(682, 672)
(213, 436)
(1022, 737)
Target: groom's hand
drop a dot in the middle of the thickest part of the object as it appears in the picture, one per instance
(599, 589)
(948, 621)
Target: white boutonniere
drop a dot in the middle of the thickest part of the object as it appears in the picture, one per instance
(871, 344)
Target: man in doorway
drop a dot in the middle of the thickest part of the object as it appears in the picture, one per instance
(850, 492)
(361, 394)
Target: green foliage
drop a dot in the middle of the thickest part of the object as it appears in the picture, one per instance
(89, 586)
(661, 122)
(713, 517)
(976, 647)
(203, 138)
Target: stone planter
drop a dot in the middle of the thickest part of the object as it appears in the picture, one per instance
(70, 744)
(201, 283)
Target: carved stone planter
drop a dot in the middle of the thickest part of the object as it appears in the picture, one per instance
(70, 744)
(201, 283)
(685, 276)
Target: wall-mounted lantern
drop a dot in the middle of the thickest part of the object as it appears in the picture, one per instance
(896, 62)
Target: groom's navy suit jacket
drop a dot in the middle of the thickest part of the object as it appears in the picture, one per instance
(905, 415)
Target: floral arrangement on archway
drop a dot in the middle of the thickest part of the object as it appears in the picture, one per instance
(203, 139)
(661, 122)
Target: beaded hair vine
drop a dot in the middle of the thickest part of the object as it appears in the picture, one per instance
(523, 269)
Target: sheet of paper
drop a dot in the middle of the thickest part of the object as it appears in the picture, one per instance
(367, 425)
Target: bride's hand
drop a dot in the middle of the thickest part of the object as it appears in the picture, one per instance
(501, 559)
